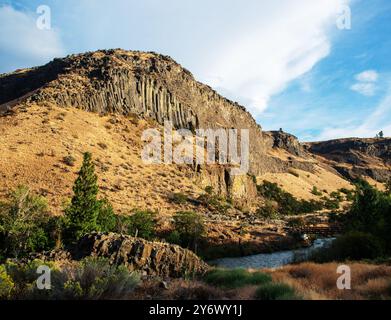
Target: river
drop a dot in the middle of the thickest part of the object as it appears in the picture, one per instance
(270, 260)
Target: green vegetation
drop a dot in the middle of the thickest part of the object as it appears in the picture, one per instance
(352, 246)
(287, 203)
(237, 278)
(276, 291)
(214, 202)
(91, 278)
(316, 192)
(25, 224)
(140, 224)
(268, 211)
(348, 193)
(189, 229)
(81, 216)
(179, 198)
(368, 228)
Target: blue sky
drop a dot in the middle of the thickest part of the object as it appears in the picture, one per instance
(285, 60)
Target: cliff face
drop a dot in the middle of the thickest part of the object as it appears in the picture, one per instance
(287, 142)
(357, 157)
(125, 82)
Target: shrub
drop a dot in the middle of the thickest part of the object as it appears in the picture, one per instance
(106, 219)
(297, 223)
(316, 192)
(178, 198)
(190, 227)
(276, 291)
(209, 190)
(336, 195)
(287, 203)
(214, 202)
(142, 224)
(24, 224)
(69, 160)
(236, 278)
(331, 204)
(91, 278)
(268, 211)
(174, 237)
(6, 284)
(352, 246)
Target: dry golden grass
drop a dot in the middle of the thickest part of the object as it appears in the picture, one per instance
(302, 186)
(318, 281)
(35, 143)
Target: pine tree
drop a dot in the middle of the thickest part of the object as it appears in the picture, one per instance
(81, 216)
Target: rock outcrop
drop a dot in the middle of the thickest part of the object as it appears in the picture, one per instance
(149, 258)
(144, 84)
(287, 142)
(357, 157)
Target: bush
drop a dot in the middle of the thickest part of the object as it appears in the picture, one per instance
(287, 203)
(275, 291)
(316, 192)
(69, 160)
(237, 278)
(142, 224)
(178, 198)
(91, 278)
(331, 204)
(214, 202)
(25, 224)
(6, 284)
(190, 227)
(268, 211)
(352, 246)
(106, 219)
(174, 237)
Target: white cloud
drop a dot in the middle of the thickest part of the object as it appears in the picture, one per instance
(366, 84)
(23, 41)
(288, 39)
(367, 76)
(366, 89)
(249, 52)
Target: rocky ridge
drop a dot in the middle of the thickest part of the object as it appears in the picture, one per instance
(357, 157)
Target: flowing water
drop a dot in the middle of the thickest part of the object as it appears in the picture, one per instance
(270, 260)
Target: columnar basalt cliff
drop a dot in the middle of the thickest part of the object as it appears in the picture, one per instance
(155, 88)
(145, 84)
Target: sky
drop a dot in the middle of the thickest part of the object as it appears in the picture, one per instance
(319, 69)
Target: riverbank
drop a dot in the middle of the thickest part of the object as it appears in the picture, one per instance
(270, 260)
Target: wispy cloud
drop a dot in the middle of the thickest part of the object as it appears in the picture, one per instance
(366, 83)
(367, 76)
(289, 40)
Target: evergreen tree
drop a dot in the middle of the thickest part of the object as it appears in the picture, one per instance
(82, 214)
